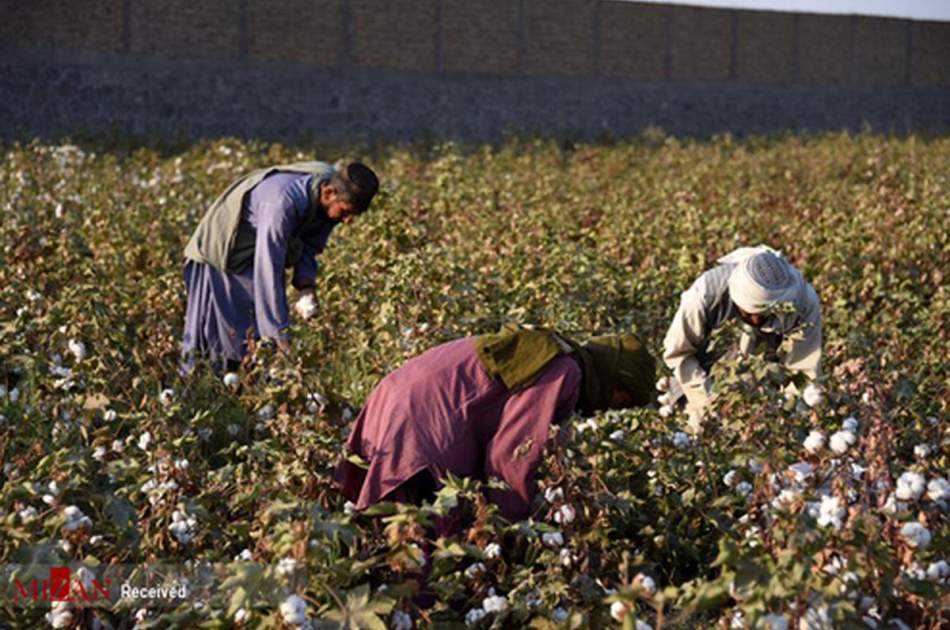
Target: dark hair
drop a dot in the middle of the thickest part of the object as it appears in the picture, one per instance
(355, 183)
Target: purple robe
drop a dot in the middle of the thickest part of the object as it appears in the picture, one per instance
(223, 307)
(441, 412)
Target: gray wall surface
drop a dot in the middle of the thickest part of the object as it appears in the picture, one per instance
(468, 69)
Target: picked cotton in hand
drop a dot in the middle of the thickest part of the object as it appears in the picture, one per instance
(306, 306)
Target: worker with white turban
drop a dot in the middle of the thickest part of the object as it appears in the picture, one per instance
(747, 284)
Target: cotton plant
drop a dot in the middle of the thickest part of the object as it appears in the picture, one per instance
(640, 500)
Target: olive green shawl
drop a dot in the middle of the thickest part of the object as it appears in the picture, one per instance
(518, 356)
(219, 242)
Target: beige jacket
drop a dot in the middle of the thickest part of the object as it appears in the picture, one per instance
(706, 306)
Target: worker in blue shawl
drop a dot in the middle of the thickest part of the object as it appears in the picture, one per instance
(266, 223)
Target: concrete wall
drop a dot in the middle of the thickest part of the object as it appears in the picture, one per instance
(397, 68)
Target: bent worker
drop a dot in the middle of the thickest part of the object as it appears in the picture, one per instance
(482, 407)
(274, 218)
(749, 284)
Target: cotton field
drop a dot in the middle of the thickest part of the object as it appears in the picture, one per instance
(821, 509)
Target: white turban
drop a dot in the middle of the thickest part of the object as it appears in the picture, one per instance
(761, 279)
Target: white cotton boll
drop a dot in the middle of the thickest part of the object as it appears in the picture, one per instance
(663, 400)
(231, 379)
(182, 464)
(233, 430)
(938, 489)
(587, 425)
(816, 619)
(110, 415)
(729, 478)
(28, 514)
(316, 402)
(14, 395)
(293, 610)
(617, 436)
(566, 558)
(618, 610)
(552, 539)
(78, 349)
(785, 499)
(493, 551)
(857, 472)
(60, 616)
(663, 385)
(801, 471)
(754, 465)
(347, 414)
(921, 451)
(893, 506)
(831, 513)
(553, 494)
(474, 616)
(773, 622)
(680, 440)
(916, 535)
(565, 515)
(642, 625)
(400, 621)
(559, 615)
(646, 583)
(495, 604)
(666, 411)
(910, 486)
(841, 441)
(75, 519)
(850, 424)
(349, 508)
(867, 397)
(95, 540)
(744, 488)
(813, 395)
(99, 453)
(474, 570)
(167, 396)
(205, 433)
(183, 527)
(244, 556)
(814, 442)
(286, 567)
(118, 446)
(145, 441)
(266, 412)
(306, 306)
(3, 392)
(937, 571)
(241, 616)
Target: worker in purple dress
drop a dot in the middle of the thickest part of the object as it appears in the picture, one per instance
(270, 220)
(482, 407)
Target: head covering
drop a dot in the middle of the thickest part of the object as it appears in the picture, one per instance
(518, 356)
(362, 182)
(761, 279)
(616, 362)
